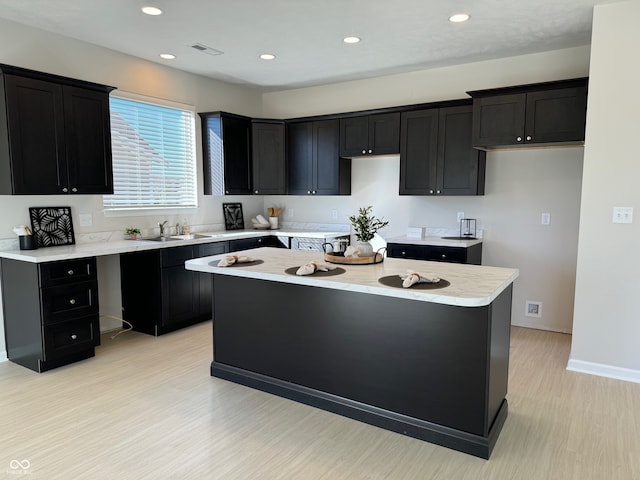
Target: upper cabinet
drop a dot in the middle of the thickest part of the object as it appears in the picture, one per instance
(314, 163)
(226, 148)
(436, 156)
(552, 113)
(55, 134)
(268, 155)
(377, 134)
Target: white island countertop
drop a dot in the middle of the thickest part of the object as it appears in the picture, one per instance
(470, 285)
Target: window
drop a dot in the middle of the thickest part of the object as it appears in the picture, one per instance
(154, 163)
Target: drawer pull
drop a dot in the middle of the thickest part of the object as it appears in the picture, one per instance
(444, 256)
(70, 272)
(74, 336)
(72, 301)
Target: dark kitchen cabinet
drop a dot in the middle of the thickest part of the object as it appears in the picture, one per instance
(436, 156)
(51, 312)
(268, 157)
(314, 164)
(552, 113)
(254, 242)
(159, 294)
(377, 134)
(55, 135)
(226, 148)
(436, 253)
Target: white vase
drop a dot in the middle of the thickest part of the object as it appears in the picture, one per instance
(365, 249)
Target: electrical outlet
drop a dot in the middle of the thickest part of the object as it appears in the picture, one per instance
(86, 220)
(533, 309)
(622, 214)
(545, 219)
(290, 212)
(334, 214)
(460, 216)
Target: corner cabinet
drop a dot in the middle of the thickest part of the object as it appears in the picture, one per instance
(314, 163)
(268, 157)
(436, 155)
(552, 113)
(55, 134)
(170, 296)
(226, 148)
(377, 134)
(51, 312)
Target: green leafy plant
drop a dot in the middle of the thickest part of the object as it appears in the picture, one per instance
(132, 231)
(366, 224)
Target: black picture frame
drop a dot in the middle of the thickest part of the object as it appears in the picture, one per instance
(52, 226)
(233, 219)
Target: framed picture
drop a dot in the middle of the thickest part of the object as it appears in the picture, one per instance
(233, 216)
(52, 226)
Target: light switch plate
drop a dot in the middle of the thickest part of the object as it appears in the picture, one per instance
(622, 214)
(545, 218)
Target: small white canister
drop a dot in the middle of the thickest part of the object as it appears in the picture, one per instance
(273, 221)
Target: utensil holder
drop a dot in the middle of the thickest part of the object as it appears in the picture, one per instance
(273, 221)
(27, 242)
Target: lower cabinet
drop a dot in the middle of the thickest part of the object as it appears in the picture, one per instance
(159, 295)
(51, 312)
(435, 253)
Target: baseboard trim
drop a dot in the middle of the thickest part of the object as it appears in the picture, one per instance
(602, 370)
(3, 357)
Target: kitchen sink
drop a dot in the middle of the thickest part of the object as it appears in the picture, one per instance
(161, 239)
(190, 236)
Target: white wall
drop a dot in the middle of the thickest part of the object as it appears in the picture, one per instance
(38, 50)
(606, 337)
(521, 184)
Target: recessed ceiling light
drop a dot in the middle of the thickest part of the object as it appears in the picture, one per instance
(267, 56)
(149, 10)
(351, 39)
(459, 17)
(167, 56)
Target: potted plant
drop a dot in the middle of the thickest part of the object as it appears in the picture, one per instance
(365, 225)
(133, 232)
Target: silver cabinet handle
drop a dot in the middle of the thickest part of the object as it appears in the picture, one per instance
(518, 139)
(70, 272)
(364, 151)
(444, 256)
(74, 336)
(72, 301)
(256, 191)
(74, 189)
(308, 192)
(370, 151)
(65, 189)
(226, 192)
(313, 192)
(528, 138)
(430, 192)
(438, 192)
(404, 253)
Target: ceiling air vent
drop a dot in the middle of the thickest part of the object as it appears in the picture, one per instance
(207, 50)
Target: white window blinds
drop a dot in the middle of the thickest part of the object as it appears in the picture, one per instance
(154, 164)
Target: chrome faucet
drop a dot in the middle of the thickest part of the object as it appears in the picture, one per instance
(161, 225)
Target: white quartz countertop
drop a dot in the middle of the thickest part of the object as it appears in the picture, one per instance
(96, 249)
(470, 285)
(435, 241)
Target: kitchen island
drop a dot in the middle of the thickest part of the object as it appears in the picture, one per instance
(431, 364)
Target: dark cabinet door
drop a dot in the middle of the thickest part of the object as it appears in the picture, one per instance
(384, 133)
(206, 279)
(300, 158)
(180, 295)
(35, 123)
(556, 115)
(354, 136)
(226, 149)
(418, 150)
(88, 141)
(499, 120)
(460, 167)
(269, 169)
(377, 134)
(326, 157)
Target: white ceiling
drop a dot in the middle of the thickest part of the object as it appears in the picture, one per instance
(306, 35)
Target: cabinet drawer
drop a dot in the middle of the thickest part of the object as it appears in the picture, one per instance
(447, 254)
(66, 302)
(414, 252)
(213, 249)
(171, 257)
(67, 271)
(69, 337)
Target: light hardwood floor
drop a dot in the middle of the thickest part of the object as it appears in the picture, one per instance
(146, 408)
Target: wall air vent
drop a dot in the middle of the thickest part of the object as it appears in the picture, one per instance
(208, 50)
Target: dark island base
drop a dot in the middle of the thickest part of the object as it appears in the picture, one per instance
(432, 371)
(475, 445)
